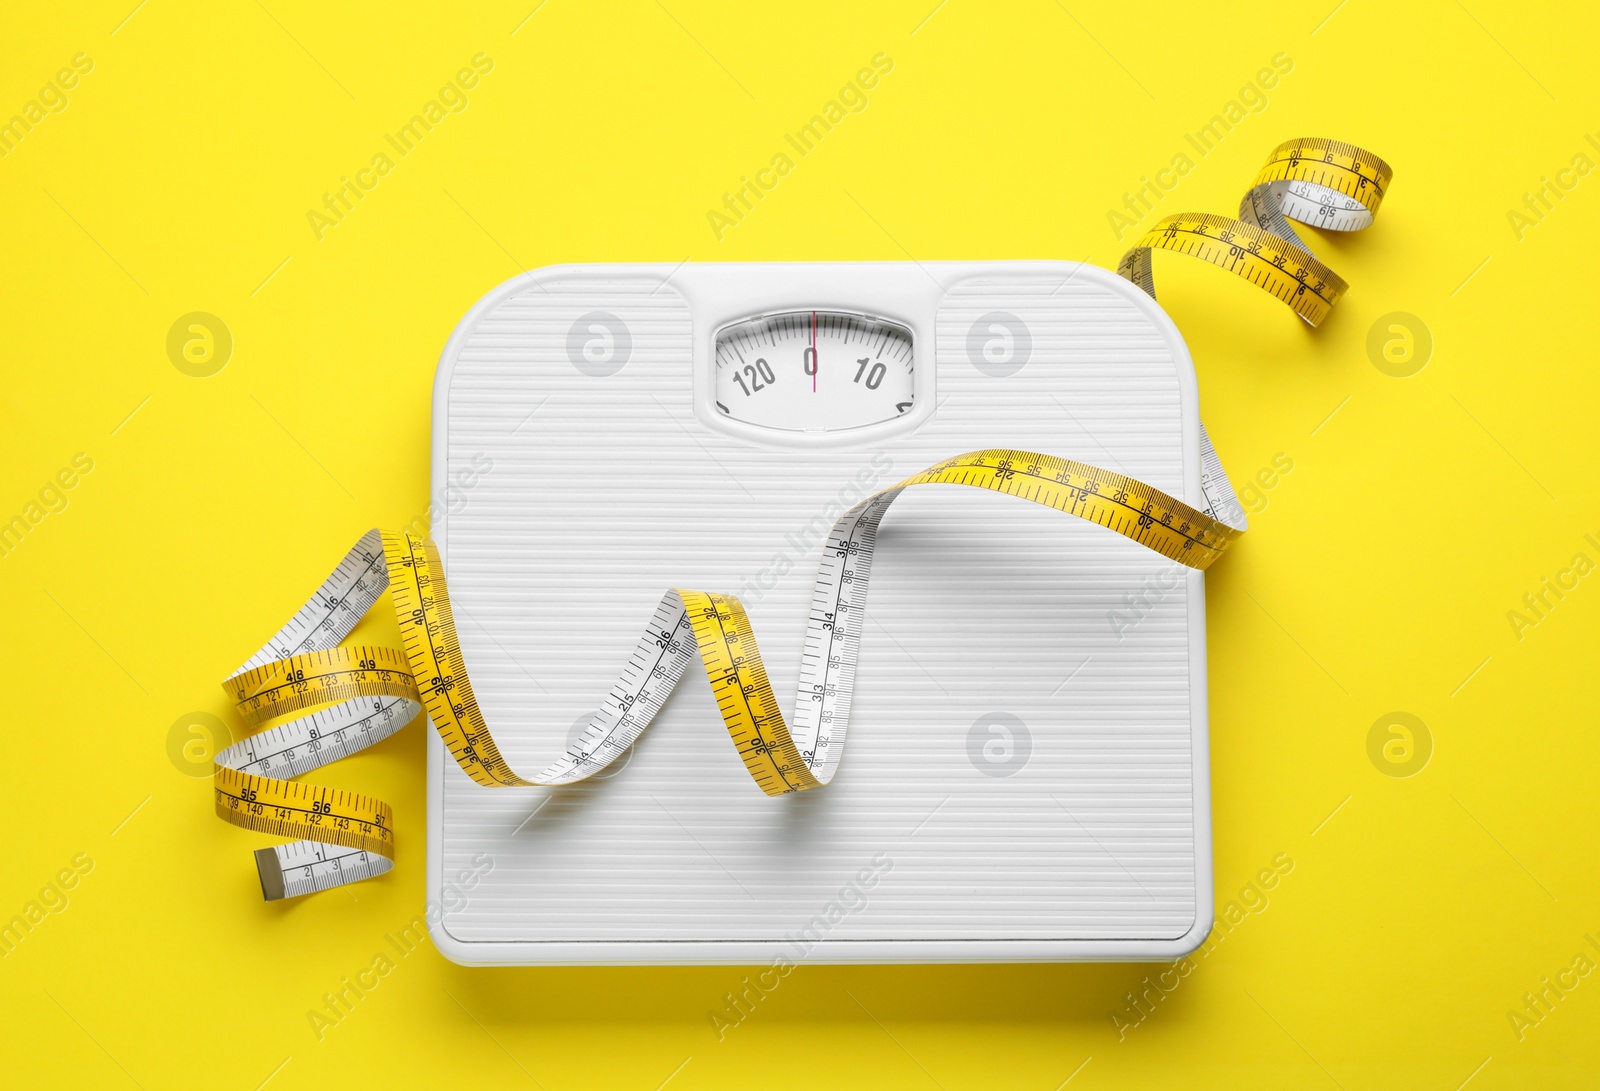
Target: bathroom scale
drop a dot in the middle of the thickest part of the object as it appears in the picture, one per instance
(1026, 777)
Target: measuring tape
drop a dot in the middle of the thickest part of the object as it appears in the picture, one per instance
(309, 700)
(364, 694)
(1323, 183)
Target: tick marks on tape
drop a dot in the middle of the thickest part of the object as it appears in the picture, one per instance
(1136, 606)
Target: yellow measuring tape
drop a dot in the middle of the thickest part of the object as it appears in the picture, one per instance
(309, 701)
(1323, 183)
(363, 694)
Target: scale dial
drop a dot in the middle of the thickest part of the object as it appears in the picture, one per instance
(814, 371)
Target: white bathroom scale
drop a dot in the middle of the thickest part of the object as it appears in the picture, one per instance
(1026, 774)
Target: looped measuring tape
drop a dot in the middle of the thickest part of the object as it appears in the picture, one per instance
(364, 694)
(1315, 181)
(309, 701)
(1322, 183)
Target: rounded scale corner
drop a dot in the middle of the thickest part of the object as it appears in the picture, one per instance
(500, 953)
(1147, 305)
(1157, 314)
(1205, 919)
(510, 286)
(456, 950)
(1105, 278)
(1137, 296)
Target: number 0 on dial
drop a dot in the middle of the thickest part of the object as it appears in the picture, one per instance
(814, 371)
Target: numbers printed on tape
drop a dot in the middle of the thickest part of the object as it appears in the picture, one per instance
(1323, 183)
(307, 700)
(311, 701)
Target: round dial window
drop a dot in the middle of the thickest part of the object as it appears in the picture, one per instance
(814, 371)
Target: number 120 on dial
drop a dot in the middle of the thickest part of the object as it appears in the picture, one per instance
(814, 371)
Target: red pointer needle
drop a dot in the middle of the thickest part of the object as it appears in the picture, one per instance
(813, 352)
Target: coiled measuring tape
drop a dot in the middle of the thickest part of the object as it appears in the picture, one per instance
(1323, 183)
(310, 701)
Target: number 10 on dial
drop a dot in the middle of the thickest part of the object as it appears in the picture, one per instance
(814, 371)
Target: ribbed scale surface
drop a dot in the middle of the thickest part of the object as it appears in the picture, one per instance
(611, 491)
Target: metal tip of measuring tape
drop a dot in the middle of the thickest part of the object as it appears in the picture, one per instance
(271, 873)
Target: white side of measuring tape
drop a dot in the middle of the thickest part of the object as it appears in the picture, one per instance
(325, 735)
(781, 756)
(359, 696)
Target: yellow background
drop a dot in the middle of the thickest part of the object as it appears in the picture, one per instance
(1377, 579)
